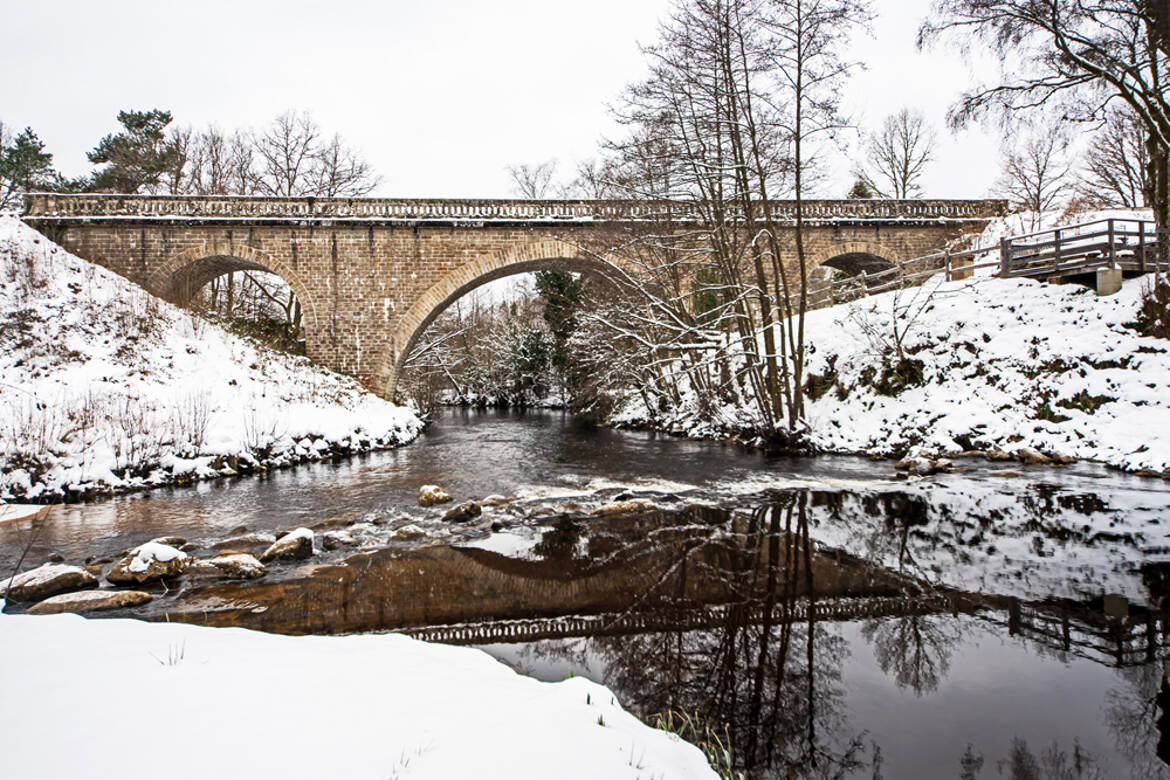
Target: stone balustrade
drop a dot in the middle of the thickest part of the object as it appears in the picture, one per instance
(46, 207)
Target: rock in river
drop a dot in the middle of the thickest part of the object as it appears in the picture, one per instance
(624, 507)
(245, 540)
(335, 540)
(429, 495)
(409, 532)
(148, 563)
(88, 601)
(294, 545)
(238, 565)
(48, 580)
(463, 513)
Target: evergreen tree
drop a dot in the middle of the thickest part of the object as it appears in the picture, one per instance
(562, 293)
(860, 190)
(141, 157)
(25, 166)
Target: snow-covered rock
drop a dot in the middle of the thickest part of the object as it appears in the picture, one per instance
(149, 562)
(295, 545)
(48, 580)
(118, 390)
(336, 540)
(408, 533)
(244, 541)
(89, 601)
(429, 495)
(238, 565)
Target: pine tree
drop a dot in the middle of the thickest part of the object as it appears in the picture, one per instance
(141, 157)
(25, 166)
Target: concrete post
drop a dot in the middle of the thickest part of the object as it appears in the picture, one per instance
(1108, 281)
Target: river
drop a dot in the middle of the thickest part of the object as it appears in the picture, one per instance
(815, 617)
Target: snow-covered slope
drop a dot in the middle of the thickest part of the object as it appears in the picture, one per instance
(105, 387)
(264, 706)
(1000, 363)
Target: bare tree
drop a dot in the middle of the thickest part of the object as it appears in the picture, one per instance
(340, 172)
(219, 163)
(897, 155)
(534, 181)
(1037, 172)
(285, 152)
(1116, 171)
(1074, 57)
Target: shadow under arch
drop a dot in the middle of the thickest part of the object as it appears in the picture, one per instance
(543, 256)
(184, 275)
(857, 263)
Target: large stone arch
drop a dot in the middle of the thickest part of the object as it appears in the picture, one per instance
(185, 273)
(547, 255)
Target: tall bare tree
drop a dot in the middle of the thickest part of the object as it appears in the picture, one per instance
(1117, 163)
(897, 155)
(1075, 58)
(293, 160)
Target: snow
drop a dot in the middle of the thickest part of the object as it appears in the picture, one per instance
(146, 554)
(1003, 362)
(366, 706)
(104, 387)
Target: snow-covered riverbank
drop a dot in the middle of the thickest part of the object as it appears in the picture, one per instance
(1005, 366)
(260, 705)
(105, 388)
(996, 365)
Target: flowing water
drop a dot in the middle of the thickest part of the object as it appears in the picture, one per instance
(813, 617)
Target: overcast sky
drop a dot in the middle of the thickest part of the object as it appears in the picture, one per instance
(440, 96)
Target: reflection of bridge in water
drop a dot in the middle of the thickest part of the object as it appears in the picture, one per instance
(1067, 632)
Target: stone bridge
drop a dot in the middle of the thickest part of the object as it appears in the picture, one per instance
(372, 274)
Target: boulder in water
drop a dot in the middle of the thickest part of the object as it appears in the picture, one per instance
(89, 601)
(430, 495)
(149, 562)
(295, 545)
(48, 580)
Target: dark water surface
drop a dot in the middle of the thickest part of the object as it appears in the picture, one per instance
(821, 617)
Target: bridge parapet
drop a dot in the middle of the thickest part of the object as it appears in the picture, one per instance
(49, 208)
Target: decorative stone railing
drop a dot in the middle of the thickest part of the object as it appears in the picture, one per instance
(44, 207)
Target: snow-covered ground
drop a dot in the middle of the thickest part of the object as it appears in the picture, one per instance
(985, 363)
(193, 702)
(104, 387)
(1004, 363)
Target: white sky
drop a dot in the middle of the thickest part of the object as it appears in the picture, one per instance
(439, 96)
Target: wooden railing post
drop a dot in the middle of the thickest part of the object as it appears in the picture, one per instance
(1056, 250)
(1142, 245)
(1112, 246)
(1005, 255)
(947, 263)
(864, 285)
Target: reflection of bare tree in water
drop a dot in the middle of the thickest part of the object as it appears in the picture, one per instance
(1053, 763)
(1132, 712)
(915, 649)
(776, 686)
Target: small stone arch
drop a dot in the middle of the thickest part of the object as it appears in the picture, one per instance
(855, 258)
(184, 274)
(548, 255)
